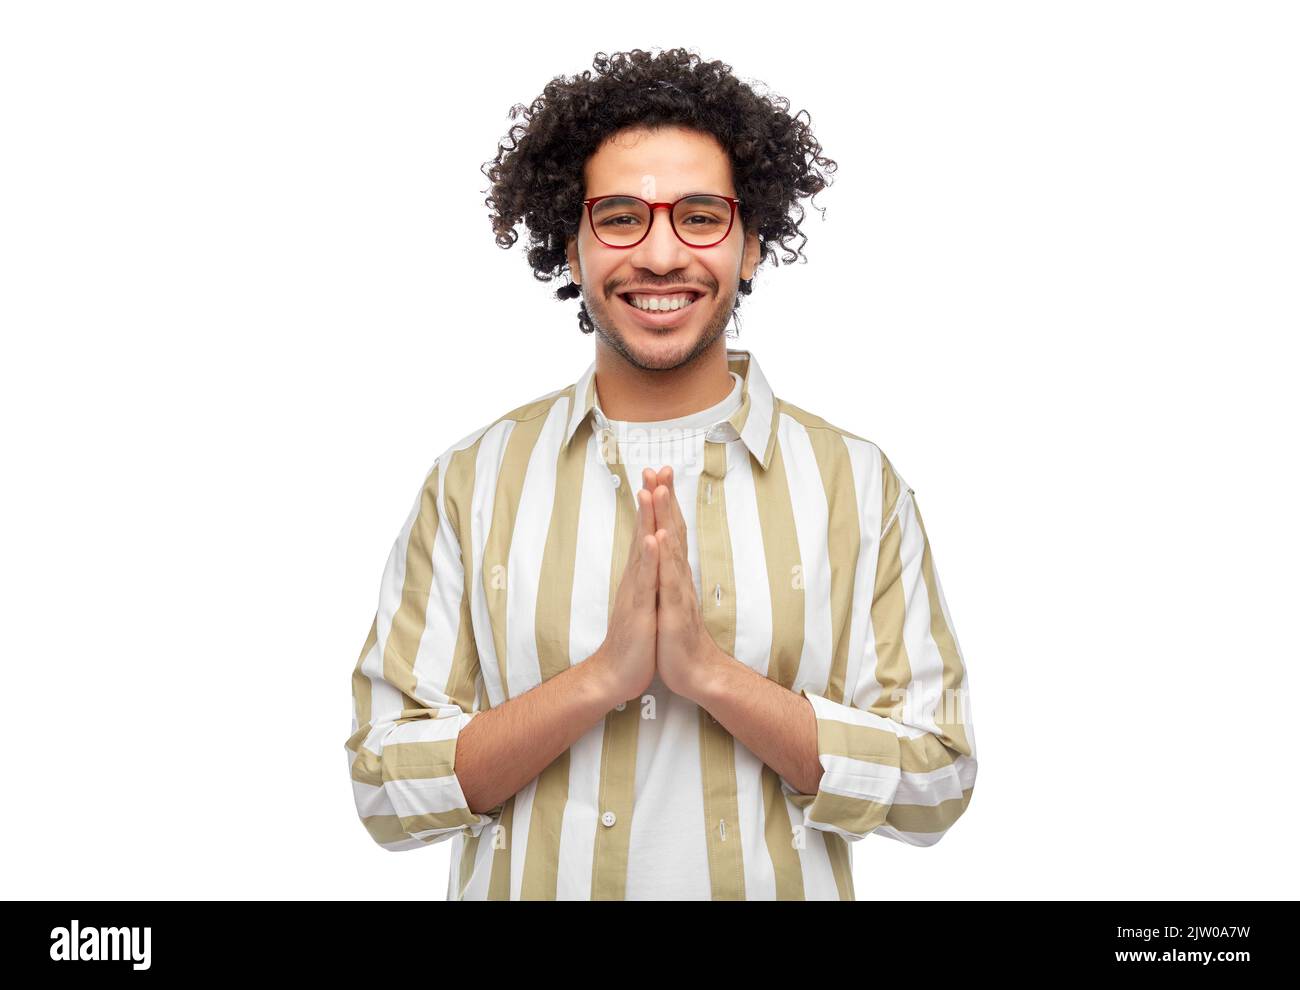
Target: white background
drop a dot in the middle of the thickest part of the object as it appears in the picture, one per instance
(244, 266)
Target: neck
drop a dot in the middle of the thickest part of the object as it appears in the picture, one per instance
(637, 395)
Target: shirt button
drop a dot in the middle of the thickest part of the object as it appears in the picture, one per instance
(615, 480)
(607, 819)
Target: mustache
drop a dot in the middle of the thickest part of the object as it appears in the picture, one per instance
(704, 287)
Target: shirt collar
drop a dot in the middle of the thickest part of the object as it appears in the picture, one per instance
(754, 422)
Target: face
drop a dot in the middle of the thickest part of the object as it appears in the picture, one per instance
(660, 166)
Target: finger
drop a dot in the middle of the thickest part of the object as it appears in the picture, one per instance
(653, 482)
(667, 477)
(666, 577)
(674, 568)
(668, 513)
(648, 568)
(677, 505)
(646, 527)
(648, 479)
(678, 562)
(663, 510)
(645, 515)
(664, 476)
(645, 520)
(661, 514)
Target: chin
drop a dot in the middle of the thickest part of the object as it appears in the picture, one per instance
(659, 349)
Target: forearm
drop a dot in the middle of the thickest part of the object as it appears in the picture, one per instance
(503, 748)
(775, 724)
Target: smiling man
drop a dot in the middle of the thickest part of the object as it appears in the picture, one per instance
(659, 634)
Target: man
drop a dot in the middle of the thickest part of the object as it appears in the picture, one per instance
(659, 633)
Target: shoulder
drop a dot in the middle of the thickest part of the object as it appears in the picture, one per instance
(525, 412)
(795, 419)
(457, 463)
(880, 485)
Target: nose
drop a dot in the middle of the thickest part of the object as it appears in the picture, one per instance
(661, 250)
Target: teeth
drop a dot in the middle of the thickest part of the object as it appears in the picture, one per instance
(656, 304)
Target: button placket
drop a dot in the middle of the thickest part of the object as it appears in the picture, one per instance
(618, 757)
(718, 748)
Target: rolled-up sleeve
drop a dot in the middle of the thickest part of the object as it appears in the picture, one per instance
(898, 753)
(416, 686)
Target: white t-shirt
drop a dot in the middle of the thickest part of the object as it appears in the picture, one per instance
(678, 442)
(668, 853)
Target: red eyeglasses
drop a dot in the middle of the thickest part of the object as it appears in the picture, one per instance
(699, 220)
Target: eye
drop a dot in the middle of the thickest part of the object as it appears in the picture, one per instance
(700, 220)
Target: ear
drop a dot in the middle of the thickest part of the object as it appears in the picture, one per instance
(752, 252)
(575, 267)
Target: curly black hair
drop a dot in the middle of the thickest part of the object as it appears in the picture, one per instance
(538, 176)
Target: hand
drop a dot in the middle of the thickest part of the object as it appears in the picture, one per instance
(685, 651)
(627, 656)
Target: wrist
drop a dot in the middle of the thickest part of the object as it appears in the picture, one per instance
(708, 674)
(601, 681)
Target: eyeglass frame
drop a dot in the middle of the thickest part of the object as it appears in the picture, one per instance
(733, 201)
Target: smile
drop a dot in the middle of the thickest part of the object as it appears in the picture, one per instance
(660, 311)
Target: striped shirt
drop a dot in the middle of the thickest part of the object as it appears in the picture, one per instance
(814, 569)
